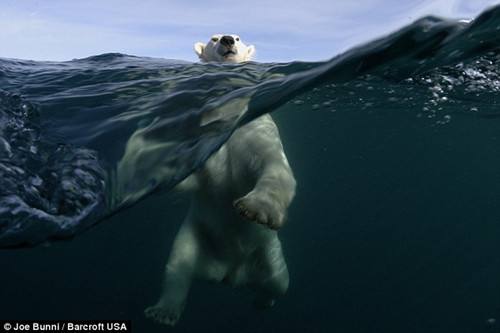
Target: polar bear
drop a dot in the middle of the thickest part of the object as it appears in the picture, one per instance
(224, 48)
(239, 200)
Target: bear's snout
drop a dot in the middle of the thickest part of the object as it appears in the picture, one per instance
(227, 40)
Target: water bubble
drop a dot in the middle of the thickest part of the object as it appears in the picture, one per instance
(68, 186)
(36, 181)
(455, 53)
(446, 119)
(436, 89)
(5, 148)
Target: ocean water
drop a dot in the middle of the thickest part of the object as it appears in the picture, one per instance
(394, 144)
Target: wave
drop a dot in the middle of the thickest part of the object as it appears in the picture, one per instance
(83, 139)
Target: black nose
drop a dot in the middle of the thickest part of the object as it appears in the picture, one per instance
(227, 40)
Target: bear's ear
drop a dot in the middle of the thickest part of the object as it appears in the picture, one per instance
(198, 48)
(250, 52)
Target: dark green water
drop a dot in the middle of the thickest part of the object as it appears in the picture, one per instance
(395, 147)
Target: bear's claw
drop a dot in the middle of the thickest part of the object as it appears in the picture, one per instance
(259, 210)
(244, 212)
(163, 315)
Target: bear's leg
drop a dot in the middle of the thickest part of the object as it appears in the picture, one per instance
(179, 272)
(271, 274)
(267, 203)
(257, 146)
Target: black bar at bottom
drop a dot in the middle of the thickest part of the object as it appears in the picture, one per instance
(65, 326)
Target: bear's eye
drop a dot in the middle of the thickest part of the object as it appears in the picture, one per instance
(237, 39)
(215, 39)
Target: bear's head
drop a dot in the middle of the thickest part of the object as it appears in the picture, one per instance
(224, 48)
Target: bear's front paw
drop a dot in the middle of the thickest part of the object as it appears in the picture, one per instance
(261, 209)
(162, 314)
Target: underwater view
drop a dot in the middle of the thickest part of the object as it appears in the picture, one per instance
(394, 146)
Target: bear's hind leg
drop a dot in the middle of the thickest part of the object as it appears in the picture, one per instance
(270, 275)
(179, 272)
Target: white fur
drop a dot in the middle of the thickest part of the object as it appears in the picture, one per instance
(214, 50)
(229, 235)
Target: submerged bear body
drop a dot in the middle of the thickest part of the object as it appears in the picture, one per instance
(239, 200)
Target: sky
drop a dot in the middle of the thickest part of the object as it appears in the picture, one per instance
(281, 30)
